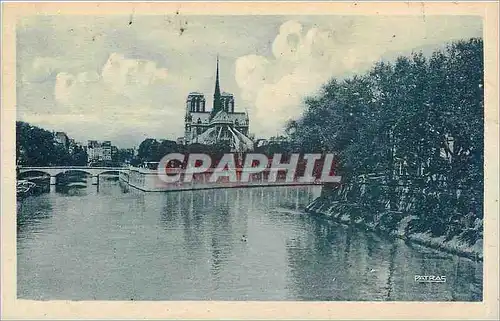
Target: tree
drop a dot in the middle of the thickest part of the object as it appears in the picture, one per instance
(399, 120)
(148, 150)
(79, 156)
(37, 147)
(166, 147)
(123, 156)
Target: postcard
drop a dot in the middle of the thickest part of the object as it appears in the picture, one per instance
(245, 160)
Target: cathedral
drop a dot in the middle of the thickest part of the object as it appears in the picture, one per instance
(221, 124)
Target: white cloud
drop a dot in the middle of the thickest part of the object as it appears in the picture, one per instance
(122, 74)
(138, 74)
(121, 81)
(306, 58)
(41, 68)
(125, 93)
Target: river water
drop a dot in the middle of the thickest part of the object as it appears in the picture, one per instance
(117, 243)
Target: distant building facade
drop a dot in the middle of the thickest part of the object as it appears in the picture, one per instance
(99, 151)
(221, 124)
(73, 146)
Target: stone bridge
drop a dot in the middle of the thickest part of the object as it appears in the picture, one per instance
(54, 171)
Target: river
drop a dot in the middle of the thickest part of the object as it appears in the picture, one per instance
(118, 243)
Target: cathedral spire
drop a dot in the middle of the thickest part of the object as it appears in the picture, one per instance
(217, 106)
(217, 88)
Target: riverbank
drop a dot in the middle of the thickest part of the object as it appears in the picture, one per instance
(396, 224)
(147, 180)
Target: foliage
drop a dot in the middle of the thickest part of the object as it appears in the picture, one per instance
(123, 156)
(152, 150)
(37, 147)
(397, 120)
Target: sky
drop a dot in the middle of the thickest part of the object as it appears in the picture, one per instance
(126, 78)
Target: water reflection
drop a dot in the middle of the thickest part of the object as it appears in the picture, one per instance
(118, 243)
(366, 267)
(31, 213)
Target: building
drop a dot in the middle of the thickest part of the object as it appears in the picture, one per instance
(62, 139)
(73, 146)
(93, 151)
(221, 124)
(114, 152)
(99, 151)
(106, 150)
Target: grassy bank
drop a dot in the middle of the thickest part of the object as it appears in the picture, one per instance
(398, 224)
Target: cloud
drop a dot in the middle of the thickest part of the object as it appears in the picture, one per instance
(101, 76)
(303, 59)
(105, 67)
(122, 74)
(40, 70)
(122, 81)
(124, 94)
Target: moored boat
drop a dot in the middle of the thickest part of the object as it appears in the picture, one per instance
(24, 188)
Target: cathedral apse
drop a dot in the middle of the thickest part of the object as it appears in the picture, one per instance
(220, 124)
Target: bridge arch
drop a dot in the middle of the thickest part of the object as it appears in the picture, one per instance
(113, 171)
(30, 172)
(55, 171)
(69, 171)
